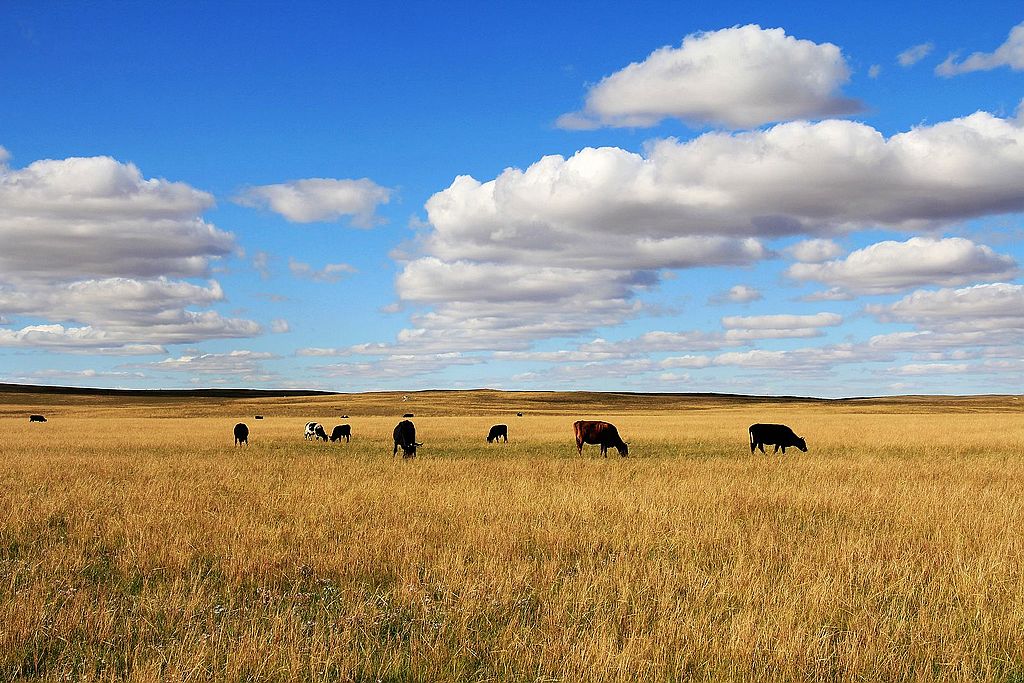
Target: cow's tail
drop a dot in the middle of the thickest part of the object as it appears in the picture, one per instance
(751, 433)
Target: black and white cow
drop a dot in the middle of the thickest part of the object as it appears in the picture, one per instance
(310, 433)
(780, 436)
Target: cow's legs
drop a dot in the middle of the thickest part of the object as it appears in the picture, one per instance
(776, 449)
(760, 447)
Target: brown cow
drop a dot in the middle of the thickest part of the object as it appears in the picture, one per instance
(597, 432)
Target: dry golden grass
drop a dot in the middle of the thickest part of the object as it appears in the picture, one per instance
(137, 543)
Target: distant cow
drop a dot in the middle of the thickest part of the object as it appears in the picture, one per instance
(241, 434)
(779, 435)
(597, 432)
(259, 417)
(408, 415)
(497, 432)
(310, 432)
(36, 418)
(519, 414)
(342, 432)
(405, 436)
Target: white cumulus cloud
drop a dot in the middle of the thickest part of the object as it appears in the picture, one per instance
(567, 245)
(320, 199)
(815, 250)
(89, 217)
(996, 307)
(892, 266)
(91, 247)
(739, 294)
(739, 77)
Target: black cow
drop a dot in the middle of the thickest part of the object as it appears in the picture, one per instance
(598, 432)
(319, 433)
(408, 415)
(405, 436)
(342, 432)
(259, 417)
(519, 414)
(36, 418)
(497, 432)
(779, 435)
(241, 434)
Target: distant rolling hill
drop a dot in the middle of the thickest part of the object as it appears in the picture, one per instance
(159, 393)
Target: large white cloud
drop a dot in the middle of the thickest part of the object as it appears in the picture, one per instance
(89, 250)
(892, 266)
(1010, 53)
(815, 179)
(738, 77)
(996, 308)
(320, 199)
(87, 217)
(567, 244)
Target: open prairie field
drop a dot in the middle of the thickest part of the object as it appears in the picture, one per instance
(137, 543)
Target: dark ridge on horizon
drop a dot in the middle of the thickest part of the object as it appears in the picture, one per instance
(272, 393)
(183, 393)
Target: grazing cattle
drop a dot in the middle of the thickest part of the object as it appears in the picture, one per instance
(519, 414)
(310, 432)
(596, 432)
(497, 432)
(405, 436)
(241, 434)
(259, 417)
(779, 435)
(344, 417)
(36, 418)
(408, 415)
(319, 432)
(341, 432)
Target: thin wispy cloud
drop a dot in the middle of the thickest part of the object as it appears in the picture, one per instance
(913, 55)
(1010, 54)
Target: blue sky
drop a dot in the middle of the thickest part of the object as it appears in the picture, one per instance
(522, 196)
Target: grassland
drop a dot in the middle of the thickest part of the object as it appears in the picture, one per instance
(136, 543)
